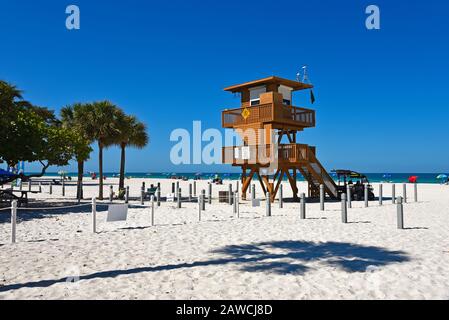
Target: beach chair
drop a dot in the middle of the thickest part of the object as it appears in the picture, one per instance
(150, 192)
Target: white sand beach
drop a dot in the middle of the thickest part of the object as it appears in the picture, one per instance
(225, 257)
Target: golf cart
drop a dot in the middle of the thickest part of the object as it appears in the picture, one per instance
(356, 181)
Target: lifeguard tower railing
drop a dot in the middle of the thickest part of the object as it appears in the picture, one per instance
(301, 156)
(286, 154)
(269, 113)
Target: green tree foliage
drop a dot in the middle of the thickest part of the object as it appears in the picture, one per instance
(132, 133)
(72, 117)
(30, 133)
(99, 122)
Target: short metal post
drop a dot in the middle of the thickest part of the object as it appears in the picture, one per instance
(230, 194)
(194, 188)
(200, 207)
(381, 196)
(393, 193)
(13, 221)
(173, 187)
(400, 213)
(158, 195)
(349, 196)
(127, 195)
(203, 200)
(63, 187)
(152, 211)
(29, 185)
(111, 193)
(268, 206)
(210, 193)
(302, 205)
(190, 192)
(20, 185)
(142, 197)
(404, 193)
(177, 188)
(179, 198)
(415, 189)
(40, 187)
(366, 196)
(253, 192)
(51, 187)
(321, 197)
(234, 207)
(281, 197)
(237, 186)
(94, 215)
(238, 204)
(344, 210)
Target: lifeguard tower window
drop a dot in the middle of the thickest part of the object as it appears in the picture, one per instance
(255, 93)
(286, 94)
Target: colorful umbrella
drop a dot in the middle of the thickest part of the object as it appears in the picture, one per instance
(413, 179)
(6, 173)
(442, 177)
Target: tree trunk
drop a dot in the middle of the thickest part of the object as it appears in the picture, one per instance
(121, 184)
(100, 161)
(79, 190)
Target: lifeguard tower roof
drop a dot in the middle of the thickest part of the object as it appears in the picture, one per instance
(295, 85)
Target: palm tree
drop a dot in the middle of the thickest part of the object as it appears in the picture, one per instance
(99, 122)
(72, 117)
(11, 97)
(132, 133)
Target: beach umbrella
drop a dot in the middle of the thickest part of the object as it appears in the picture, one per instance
(6, 173)
(442, 176)
(386, 176)
(413, 179)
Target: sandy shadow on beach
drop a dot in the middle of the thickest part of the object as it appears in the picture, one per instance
(277, 257)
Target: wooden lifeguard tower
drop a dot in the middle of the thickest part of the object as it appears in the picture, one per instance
(266, 108)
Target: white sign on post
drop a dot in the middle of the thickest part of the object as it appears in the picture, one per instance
(171, 197)
(236, 153)
(117, 212)
(255, 203)
(246, 153)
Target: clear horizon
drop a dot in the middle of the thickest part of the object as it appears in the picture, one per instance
(382, 98)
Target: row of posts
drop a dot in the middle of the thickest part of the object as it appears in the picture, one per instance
(345, 204)
(175, 188)
(346, 198)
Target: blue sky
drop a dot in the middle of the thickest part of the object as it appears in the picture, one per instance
(382, 96)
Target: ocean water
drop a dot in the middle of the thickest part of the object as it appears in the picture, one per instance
(373, 177)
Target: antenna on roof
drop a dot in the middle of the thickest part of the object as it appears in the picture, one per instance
(305, 78)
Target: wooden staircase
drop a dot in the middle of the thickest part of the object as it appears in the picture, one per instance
(316, 175)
